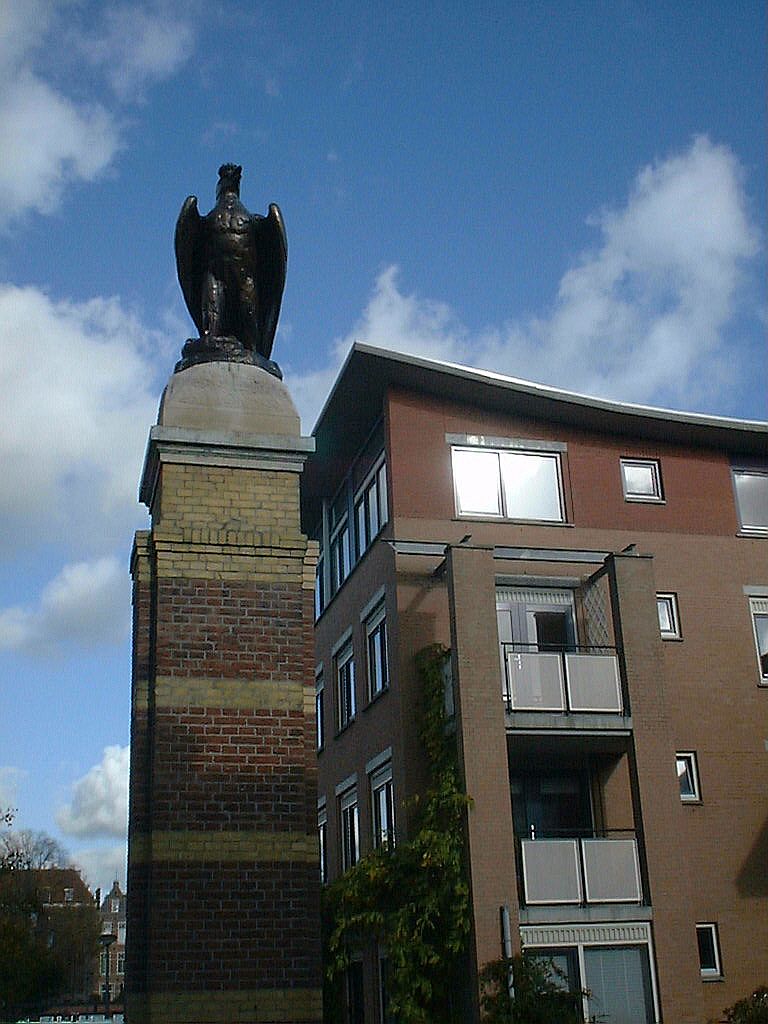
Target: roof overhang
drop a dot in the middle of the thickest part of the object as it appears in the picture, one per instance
(356, 401)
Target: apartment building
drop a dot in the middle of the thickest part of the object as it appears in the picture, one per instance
(599, 572)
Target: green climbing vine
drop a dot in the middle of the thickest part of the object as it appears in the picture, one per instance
(413, 899)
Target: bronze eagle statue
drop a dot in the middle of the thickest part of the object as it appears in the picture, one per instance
(231, 266)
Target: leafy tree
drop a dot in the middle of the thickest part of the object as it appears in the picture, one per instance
(45, 951)
(521, 990)
(413, 898)
(752, 1010)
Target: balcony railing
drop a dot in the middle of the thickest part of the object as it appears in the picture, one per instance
(581, 871)
(582, 679)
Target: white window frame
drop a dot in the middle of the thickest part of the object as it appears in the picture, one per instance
(349, 828)
(692, 770)
(320, 587)
(710, 973)
(754, 529)
(501, 447)
(376, 631)
(371, 507)
(340, 548)
(322, 839)
(381, 783)
(346, 698)
(656, 495)
(758, 607)
(669, 600)
(319, 708)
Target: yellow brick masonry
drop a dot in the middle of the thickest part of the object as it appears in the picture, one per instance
(223, 499)
(265, 1006)
(244, 845)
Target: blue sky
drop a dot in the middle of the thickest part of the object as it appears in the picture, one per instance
(569, 192)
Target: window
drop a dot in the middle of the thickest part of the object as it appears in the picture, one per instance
(508, 484)
(751, 488)
(759, 609)
(350, 829)
(710, 965)
(355, 998)
(340, 554)
(383, 807)
(103, 963)
(669, 619)
(345, 686)
(114, 906)
(641, 480)
(69, 895)
(371, 509)
(322, 835)
(319, 710)
(121, 963)
(688, 776)
(376, 644)
(319, 588)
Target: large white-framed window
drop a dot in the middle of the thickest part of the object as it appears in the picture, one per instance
(319, 708)
(613, 970)
(322, 838)
(758, 607)
(710, 960)
(349, 823)
(688, 776)
(383, 806)
(376, 652)
(751, 488)
(371, 508)
(508, 479)
(669, 617)
(641, 480)
(346, 704)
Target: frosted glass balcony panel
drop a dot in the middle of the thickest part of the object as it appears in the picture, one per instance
(551, 871)
(535, 681)
(593, 682)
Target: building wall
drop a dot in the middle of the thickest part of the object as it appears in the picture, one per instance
(705, 861)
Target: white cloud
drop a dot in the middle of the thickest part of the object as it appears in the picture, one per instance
(78, 401)
(138, 46)
(99, 805)
(101, 865)
(47, 142)
(641, 318)
(48, 138)
(87, 603)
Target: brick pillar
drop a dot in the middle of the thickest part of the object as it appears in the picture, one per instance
(482, 748)
(223, 912)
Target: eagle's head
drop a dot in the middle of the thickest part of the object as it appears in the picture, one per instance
(229, 179)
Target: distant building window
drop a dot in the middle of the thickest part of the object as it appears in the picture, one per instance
(710, 964)
(121, 963)
(508, 484)
(376, 645)
(350, 829)
(114, 906)
(322, 835)
(383, 807)
(345, 686)
(641, 480)
(69, 895)
(319, 710)
(759, 609)
(371, 509)
(752, 499)
(688, 776)
(669, 617)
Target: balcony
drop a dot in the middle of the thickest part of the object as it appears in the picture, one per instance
(580, 871)
(580, 681)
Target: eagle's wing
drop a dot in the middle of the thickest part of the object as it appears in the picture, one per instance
(188, 245)
(272, 249)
